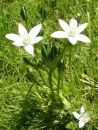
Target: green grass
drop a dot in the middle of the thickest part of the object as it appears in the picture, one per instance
(27, 105)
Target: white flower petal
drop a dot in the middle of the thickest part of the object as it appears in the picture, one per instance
(81, 124)
(76, 115)
(18, 43)
(82, 110)
(29, 49)
(13, 37)
(83, 38)
(35, 30)
(35, 40)
(73, 23)
(81, 27)
(22, 30)
(85, 117)
(73, 40)
(59, 34)
(64, 25)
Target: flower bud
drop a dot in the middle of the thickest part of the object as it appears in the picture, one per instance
(32, 24)
(44, 50)
(78, 17)
(61, 66)
(43, 12)
(28, 62)
(24, 14)
(53, 52)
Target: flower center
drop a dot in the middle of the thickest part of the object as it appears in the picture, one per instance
(26, 40)
(85, 117)
(72, 31)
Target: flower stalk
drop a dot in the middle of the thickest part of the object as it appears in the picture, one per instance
(70, 64)
(50, 82)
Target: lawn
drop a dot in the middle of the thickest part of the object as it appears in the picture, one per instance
(56, 86)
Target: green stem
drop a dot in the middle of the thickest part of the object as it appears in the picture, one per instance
(28, 91)
(89, 24)
(27, 24)
(58, 86)
(62, 83)
(50, 82)
(59, 58)
(43, 79)
(70, 65)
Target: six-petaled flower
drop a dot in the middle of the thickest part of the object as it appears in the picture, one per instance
(71, 31)
(83, 117)
(26, 39)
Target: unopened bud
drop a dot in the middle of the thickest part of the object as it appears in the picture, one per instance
(24, 14)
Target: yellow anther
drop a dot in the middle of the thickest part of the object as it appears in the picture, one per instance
(72, 31)
(85, 116)
(26, 39)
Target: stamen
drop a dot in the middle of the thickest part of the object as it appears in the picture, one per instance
(26, 40)
(85, 117)
(72, 31)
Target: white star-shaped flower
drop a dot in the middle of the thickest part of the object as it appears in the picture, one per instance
(26, 39)
(71, 31)
(83, 117)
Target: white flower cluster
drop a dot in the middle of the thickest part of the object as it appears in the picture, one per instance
(71, 31)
